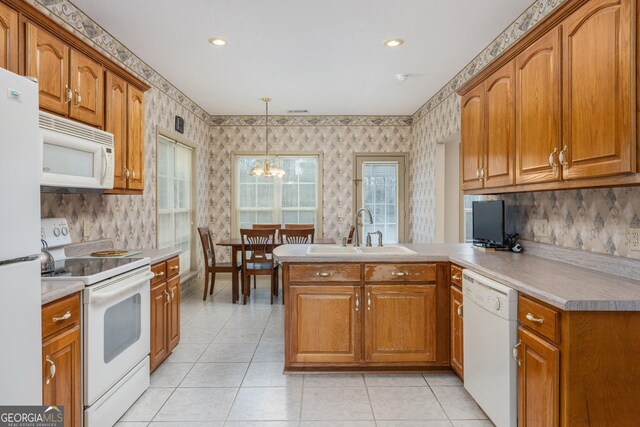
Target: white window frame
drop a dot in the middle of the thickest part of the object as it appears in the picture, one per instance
(185, 273)
(235, 230)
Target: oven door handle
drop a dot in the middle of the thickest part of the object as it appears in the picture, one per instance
(102, 296)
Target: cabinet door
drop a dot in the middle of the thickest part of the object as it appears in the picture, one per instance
(325, 324)
(597, 81)
(8, 38)
(472, 137)
(61, 355)
(538, 110)
(135, 138)
(47, 60)
(400, 323)
(538, 381)
(500, 128)
(457, 336)
(158, 324)
(173, 313)
(116, 123)
(87, 84)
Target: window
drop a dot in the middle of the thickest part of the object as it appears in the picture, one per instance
(292, 199)
(468, 217)
(175, 203)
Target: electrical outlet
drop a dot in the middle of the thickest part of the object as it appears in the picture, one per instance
(541, 228)
(634, 240)
(86, 229)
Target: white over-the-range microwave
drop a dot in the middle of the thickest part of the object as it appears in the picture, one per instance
(74, 157)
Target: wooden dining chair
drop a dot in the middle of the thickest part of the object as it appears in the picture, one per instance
(297, 236)
(298, 226)
(211, 267)
(276, 227)
(257, 245)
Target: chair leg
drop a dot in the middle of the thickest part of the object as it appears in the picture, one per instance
(273, 283)
(213, 282)
(277, 273)
(206, 284)
(244, 289)
(255, 281)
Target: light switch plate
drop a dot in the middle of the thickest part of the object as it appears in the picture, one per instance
(541, 228)
(86, 229)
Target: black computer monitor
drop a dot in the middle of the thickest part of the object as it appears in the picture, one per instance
(488, 223)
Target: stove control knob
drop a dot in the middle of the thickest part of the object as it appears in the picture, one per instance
(56, 232)
(496, 304)
(65, 231)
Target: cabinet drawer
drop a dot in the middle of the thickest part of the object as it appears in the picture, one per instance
(61, 313)
(456, 276)
(539, 317)
(173, 266)
(400, 272)
(324, 273)
(159, 271)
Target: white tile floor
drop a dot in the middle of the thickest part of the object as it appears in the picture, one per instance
(227, 371)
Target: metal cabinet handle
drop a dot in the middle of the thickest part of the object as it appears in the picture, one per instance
(531, 318)
(173, 295)
(482, 173)
(78, 99)
(478, 173)
(126, 173)
(369, 301)
(514, 353)
(563, 158)
(63, 317)
(133, 174)
(175, 267)
(160, 274)
(552, 160)
(167, 296)
(69, 94)
(399, 273)
(456, 277)
(323, 274)
(460, 310)
(52, 369)
(357, 302)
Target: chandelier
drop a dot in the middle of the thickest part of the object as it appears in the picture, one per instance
(266, 167)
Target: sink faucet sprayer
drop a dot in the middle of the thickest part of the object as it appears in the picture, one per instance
(356, 235)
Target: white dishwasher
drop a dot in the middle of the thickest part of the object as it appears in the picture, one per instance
(490, 333)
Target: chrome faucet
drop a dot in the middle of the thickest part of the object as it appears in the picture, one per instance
(379, 233)
(356, 235)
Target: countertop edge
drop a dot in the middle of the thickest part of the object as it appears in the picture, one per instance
(60, 290)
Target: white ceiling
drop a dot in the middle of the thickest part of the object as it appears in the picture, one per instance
(322, 55)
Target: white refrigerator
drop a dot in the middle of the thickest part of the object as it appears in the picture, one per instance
(20, 330)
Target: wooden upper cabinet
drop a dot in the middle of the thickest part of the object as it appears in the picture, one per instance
(8, 38)
(47, 59)
(400, 323)
(116, 123)
(135, 138)
(538, 110)
(87, 84)
(500, 128)
(457, 333)
(597, 101)
(325, 324)
(472, 137)
(538, 382)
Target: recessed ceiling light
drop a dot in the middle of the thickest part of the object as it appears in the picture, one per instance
(217, 41)
(393, 42)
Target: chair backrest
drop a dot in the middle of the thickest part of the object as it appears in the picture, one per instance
(297, 236)
(256, 244)
(276, 227)
(207, 246)
(350, 236)
(298, 226)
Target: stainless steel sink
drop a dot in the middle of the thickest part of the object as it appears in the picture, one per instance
(330, 250)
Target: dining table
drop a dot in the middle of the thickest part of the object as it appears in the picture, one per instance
(235, 244)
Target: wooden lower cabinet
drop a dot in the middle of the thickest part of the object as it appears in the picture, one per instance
(400, 323)
(61, 358)
(394, 317)
(538, 381)
(457, 335)
(165, 311)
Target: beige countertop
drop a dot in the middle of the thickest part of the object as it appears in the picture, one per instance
(53, 290)
(560, 284)
(156, 255)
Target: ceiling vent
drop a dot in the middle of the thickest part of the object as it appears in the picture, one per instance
(297, 111)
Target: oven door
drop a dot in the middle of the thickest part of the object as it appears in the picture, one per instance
(116, 330)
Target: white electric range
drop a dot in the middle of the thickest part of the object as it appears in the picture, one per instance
(115, 326)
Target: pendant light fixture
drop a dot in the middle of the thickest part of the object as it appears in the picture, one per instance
(267, 167)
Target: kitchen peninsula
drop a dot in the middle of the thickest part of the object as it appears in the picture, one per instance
(360, 311)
